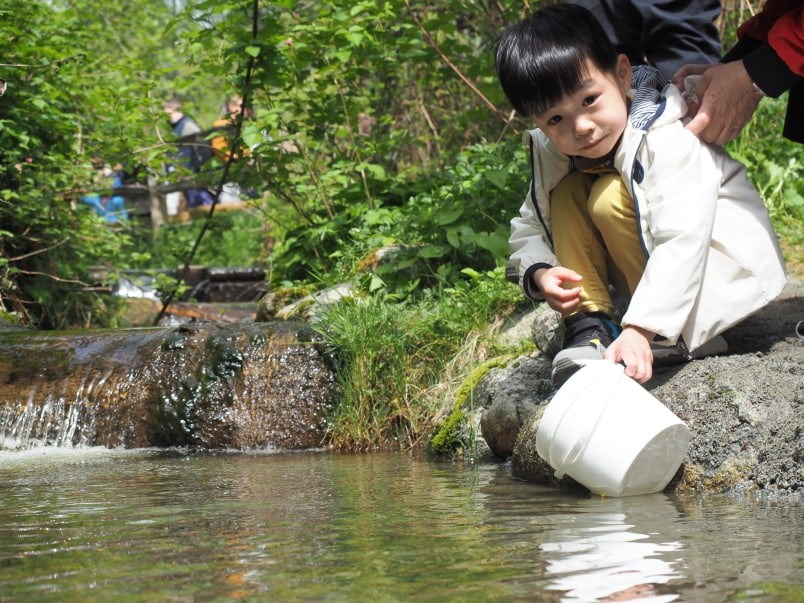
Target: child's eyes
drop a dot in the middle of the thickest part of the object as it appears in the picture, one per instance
(587, 101)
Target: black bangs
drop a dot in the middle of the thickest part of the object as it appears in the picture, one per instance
(549, 80)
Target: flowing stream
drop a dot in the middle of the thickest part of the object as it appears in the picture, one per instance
(97, 524)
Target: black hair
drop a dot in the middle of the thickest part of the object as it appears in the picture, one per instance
(542, 59)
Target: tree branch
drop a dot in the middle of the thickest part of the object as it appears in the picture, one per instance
(429, 39)
(37, 252)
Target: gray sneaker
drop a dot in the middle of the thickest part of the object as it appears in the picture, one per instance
(547, 331)
(586, 337)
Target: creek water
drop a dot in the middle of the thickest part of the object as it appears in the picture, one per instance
(96, 524)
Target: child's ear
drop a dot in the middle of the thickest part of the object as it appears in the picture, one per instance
(624, 72)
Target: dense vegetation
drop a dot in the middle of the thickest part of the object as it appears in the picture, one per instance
(373, 124)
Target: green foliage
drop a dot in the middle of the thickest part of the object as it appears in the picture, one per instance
(354, 115)
(49, 241)
(453, 219)
(775, 164)
(776, 167)
(389, 353)
(81, 80)
(233, 238)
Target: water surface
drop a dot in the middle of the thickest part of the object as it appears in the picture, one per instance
(109, 525)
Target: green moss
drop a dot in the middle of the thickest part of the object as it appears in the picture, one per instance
(449, 435)
(470, 382)
(727, 477)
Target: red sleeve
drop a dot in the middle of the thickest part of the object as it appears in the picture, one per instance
(786, 37)
(759, 25)
(781, 24)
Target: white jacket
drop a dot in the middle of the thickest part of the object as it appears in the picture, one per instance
(712, 255)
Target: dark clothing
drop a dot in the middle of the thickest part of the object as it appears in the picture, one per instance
(770, 46)
(194, 150)
(667, 35)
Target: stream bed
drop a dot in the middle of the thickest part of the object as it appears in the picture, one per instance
(96, 524)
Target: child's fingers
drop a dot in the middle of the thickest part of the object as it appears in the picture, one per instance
(639, 370)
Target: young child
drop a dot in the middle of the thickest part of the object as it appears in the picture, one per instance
(623, 197)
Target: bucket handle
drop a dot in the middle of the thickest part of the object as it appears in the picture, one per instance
(580, 444)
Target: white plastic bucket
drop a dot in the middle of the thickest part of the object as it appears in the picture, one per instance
(610, 434)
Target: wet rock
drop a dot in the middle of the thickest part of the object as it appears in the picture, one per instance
(217, 386)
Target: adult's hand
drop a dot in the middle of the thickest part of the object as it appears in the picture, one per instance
(686, 79)
(727, 99)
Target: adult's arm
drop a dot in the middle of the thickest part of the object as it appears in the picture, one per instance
(668, 34)
(767, 60)
(771, 46)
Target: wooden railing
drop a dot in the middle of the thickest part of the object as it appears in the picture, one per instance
(150, 198)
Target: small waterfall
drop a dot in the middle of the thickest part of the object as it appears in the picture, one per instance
(208, 385)
(54, 422)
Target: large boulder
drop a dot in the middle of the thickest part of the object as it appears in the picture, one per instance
(508, 396)
(745, 409)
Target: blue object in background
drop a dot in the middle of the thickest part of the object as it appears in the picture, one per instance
(110, 207)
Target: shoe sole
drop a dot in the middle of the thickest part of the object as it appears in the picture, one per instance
(564, 368)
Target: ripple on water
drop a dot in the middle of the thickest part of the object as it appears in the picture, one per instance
(153, 525)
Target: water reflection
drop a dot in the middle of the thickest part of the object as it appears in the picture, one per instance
(614, 555)
(171, 526)
(588, 548)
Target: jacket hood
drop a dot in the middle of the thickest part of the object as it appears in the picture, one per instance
(654, 101)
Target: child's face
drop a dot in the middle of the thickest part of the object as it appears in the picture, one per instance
(590, 121)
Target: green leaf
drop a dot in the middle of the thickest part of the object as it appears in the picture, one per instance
(252, 51)
(453, 237)
(355, 37)
(433, 251)
(448, 215)
(498, 178)
(376, 283)
(496, 242)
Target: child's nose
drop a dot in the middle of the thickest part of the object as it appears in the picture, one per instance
(583, 126)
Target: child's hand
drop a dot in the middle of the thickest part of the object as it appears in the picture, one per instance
(632, 348)
(550, 281)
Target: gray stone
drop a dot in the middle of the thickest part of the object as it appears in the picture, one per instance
(547, 330)
(508, 396)
(314, 305)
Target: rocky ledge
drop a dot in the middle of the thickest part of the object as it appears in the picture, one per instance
(745, 409)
